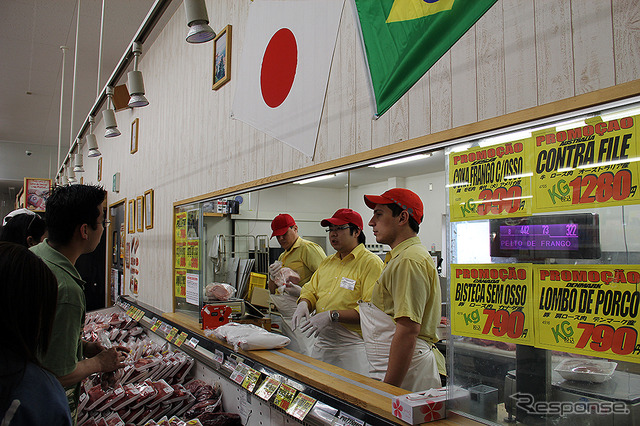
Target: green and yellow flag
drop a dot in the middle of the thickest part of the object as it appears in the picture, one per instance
(404, 38)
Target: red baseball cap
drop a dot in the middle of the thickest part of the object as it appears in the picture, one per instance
(280, 224)
(342, 217)
(406, 199)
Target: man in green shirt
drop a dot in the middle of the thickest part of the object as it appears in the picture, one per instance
(405, 304)
(75, 223)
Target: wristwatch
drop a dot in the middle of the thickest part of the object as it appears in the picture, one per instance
(335, 316)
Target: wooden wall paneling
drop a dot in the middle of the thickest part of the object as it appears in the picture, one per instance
(464, 90)
(349, 38)
(490, 63)
(287, 158)
(441, 94)
(519, 55)
(333, 100)
(419, 120)
(626, 15)
(381, 131)
(364, 100)
(592, 45)
(554, 52)
(399, 120)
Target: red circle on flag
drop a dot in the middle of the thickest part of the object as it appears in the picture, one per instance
(279, 65)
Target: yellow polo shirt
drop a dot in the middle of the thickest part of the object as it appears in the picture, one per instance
(304, 257)
(409, 287)
(341, 283)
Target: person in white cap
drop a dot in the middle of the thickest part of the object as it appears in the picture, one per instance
(24, 227)
(341, 280)
(399, 324)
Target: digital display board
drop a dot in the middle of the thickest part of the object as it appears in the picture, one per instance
(574, 236)
(559, 236)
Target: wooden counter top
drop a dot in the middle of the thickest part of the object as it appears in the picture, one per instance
(364, 392)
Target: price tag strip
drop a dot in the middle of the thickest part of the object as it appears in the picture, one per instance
(180, 339)
(156, 325)
(218, 356)
(193, 342)
(494, 302)
(239, 373)
(284, 396)
(172, 334)
(588, 309)
(267, 388)
(251, 379)
(301, 406)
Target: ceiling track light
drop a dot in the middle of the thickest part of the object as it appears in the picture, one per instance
(109, 116)
(71, 176)
(198, 22)
(77, 163)
(92, 142)
(135, 83)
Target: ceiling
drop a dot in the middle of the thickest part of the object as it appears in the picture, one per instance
(31, 63)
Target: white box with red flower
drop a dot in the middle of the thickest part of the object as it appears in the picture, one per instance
(427, 406)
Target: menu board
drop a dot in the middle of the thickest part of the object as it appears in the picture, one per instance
(588, 309)
(492, 181)
(492, 301)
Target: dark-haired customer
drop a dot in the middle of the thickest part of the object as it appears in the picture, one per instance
(29, 395)
(75, 223)
(23, 227)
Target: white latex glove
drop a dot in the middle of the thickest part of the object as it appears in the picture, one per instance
(300, 315)
(274, 268)
(316, 323)
(293, 290)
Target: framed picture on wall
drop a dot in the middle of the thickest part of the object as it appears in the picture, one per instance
(99, 169)
(134, 135)
(140, 213)
(148, 209)
(222, 58)
(131, 218)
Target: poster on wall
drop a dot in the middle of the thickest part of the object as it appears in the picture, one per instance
(588, 166)
(588, 309)
(36, 193)
(192, 225)
(180, 283)
(181, 255)
(181, 227)
(135, 265)
(193, 254)
(193, 289)
(490, 181)
(493, 302)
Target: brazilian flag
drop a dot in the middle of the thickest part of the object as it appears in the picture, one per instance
(404, 38)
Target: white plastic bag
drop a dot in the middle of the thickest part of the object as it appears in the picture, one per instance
(248, 337)
(219, 291)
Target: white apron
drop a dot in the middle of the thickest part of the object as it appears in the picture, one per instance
(339, 346)
(378, 329)
(286, 305)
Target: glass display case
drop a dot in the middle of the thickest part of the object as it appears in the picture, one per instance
(532, 228)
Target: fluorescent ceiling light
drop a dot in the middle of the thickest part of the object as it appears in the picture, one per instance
(457, 148)
(401, 160)
(314, 179)
(620, 114)
(571, 125)
(508, 137)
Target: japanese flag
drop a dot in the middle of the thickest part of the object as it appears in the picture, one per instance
(284, 68)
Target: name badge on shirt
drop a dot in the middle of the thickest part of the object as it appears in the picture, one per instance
(348, 283)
